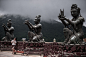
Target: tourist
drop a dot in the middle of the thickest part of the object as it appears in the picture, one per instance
(13, 45)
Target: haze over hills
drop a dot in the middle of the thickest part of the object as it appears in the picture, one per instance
(50, 29)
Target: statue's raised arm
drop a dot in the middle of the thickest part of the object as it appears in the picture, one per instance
(30, 26)
(62, 18)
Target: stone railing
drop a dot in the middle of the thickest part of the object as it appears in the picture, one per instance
(47, 49)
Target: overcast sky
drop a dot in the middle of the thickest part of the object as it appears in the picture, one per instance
(48, 9)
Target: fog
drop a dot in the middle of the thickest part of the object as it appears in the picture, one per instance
(48, 9)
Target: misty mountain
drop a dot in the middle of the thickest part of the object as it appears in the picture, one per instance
(50, 30)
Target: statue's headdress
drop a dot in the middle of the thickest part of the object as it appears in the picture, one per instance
(38, 17)
(9, 21)
(74, 6)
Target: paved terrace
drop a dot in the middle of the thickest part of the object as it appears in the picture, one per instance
(9, 54)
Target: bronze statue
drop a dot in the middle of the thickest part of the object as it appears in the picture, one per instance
(35, 34)
(73, 28)
(8, 31)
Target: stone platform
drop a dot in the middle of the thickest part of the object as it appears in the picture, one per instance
(9, 54)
